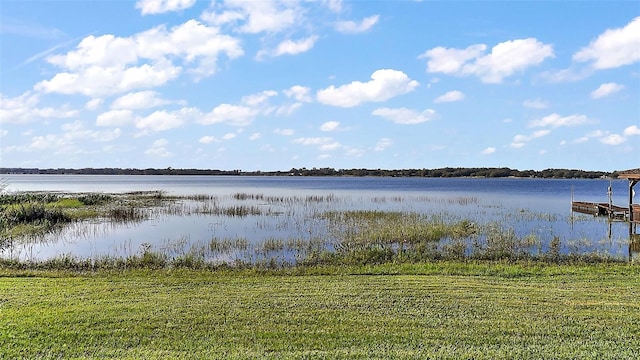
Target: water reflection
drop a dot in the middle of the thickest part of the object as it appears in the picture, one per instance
(287, 226)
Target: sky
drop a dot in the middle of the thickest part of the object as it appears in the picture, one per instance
(274, 85)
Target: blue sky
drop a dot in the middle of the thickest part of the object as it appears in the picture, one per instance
(271, 85)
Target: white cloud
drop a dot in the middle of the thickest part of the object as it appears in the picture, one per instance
(404, 116)
(97, 81)
(323, 143)
(329, 126)
(352, 27)
(151, 7)
(449, 60)
(353, 152)
(488, 151)
(66, 143)
(115, 118)
(632, 130)
(24, 108)
(520, 140)
(107, 65)
(535, 104)
(93, 104)
(290, 47)
(158, 149)
(138, 100)
(255, 136)
(284, 132)
(164, 120)
(333, 5)
(229, 136)
(606, 90)
(218, 19)
(383, 144)
(384, 84)
(300, 93)
(554, 120)
(287, 110)
(450, 96)
(208, 139)
(505, 59)
(259, 98)
(265, 15)
(613, 48)
(234, 115)
(613, 139)
(313, 140)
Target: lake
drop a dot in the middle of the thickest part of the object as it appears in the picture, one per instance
(288, 217)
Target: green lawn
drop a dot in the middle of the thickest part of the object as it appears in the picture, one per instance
(444, 310)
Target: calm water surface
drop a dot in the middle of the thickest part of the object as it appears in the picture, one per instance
(539, 207)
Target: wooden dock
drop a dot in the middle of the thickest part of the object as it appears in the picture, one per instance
(600, 209)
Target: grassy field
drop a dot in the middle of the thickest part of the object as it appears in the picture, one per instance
(443, 310)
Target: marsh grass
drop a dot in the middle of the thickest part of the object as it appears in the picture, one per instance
(316, 231)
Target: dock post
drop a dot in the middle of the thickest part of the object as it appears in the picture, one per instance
(632, 183)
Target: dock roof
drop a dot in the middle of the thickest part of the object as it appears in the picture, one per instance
(629, 174)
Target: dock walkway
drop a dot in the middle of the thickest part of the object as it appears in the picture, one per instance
(604, 209)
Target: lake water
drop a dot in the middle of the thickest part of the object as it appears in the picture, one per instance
(529, 207)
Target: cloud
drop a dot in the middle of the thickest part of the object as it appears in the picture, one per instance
(505, 59)
(632, 130)
(384, 84)
(290, 47)
(258, 98)
(449, 60)
(265, 15)
(330, 126)
(24, 108)
(284, 132)
(158, 149)
(613, 139)
(93, 104)
(164, 120)
(535, 104)
(383, 144)
(554, 120)
(520, 140)
(300, 93)
(234, 115)
(208, 139)
(405, 116)
(488, 151)
(107, 64)
(323, 143)
(606, 90)
(613, 48)
(255, 136)
(333, 5)
(66, 143)
(138, 100)
(119, 117)
(450, 96)
(152, 7)
(352, 27)
(313, 140)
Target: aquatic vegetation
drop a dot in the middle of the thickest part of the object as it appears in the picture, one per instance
(258, 229)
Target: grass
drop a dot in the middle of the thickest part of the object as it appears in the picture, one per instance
(444, 310)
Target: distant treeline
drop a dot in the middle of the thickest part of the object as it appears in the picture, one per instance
(442, 172)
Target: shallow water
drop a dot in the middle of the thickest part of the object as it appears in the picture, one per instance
(289, 207)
